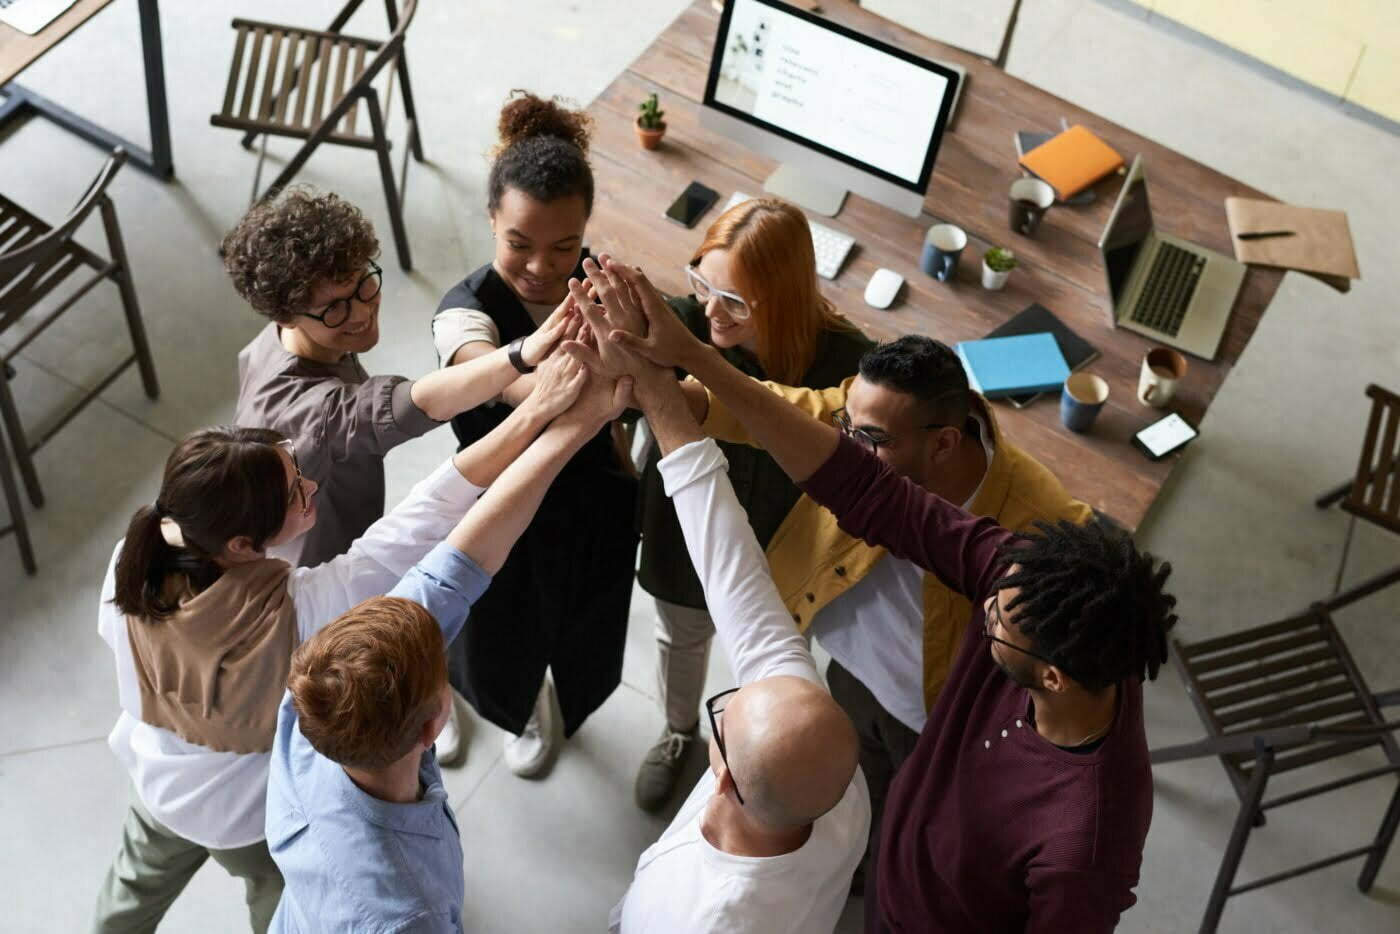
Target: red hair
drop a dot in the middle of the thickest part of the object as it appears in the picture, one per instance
(775, 269)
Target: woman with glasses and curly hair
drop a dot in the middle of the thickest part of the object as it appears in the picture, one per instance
(306, 260)
(754, 296)
(202, 622)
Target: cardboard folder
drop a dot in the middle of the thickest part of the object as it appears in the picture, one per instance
(1320, 246)
(1072, 161)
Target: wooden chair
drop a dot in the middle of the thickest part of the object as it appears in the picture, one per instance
(1281, 697)
(309, 84)
(1374, 493)
(35, 259)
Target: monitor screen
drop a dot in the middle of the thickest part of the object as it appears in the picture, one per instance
(827, 87)
(1127, 231)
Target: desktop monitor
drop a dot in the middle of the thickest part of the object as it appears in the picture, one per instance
(840, 110)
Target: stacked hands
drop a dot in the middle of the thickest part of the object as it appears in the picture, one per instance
(611, 337)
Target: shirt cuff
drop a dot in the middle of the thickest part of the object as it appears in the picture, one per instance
(689, 463)
(408, 418)
(447, 483)
(832, 477)
(456, 570)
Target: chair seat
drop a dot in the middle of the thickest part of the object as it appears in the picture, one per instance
(284, 80)
(21, 287)
(1288, 673)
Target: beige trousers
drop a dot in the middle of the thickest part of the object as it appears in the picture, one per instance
(683, 638)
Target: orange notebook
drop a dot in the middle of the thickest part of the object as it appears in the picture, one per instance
(1072, 161)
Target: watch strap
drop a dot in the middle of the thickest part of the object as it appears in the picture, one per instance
(517, 359)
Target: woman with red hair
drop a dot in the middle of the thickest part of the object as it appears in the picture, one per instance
(754, 296)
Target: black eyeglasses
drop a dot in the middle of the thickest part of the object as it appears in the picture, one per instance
(871, 442)
(338, 312)
(1001, 620)
(721, 699)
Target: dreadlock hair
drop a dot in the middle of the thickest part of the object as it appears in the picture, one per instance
(1090, 601)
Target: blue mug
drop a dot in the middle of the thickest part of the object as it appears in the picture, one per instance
(943, 244)
(1081, 400)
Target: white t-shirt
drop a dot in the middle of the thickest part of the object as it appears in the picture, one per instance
(875, 630)
(684, 884)
(453, 327)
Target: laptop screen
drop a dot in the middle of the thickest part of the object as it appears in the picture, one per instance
(1128, 228)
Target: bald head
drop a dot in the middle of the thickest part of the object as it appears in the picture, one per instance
(791, 748)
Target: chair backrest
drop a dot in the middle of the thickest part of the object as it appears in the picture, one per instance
(1375, 491)
(33, 251)
(389, 50)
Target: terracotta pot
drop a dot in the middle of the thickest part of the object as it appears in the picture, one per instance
(650, 139)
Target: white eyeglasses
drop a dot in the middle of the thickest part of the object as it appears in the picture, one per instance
(734, 305)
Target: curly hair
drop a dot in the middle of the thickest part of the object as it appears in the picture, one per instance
(1090, 601)
(286, 246)
(543, 151)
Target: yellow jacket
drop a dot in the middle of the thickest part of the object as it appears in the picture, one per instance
(813, 561)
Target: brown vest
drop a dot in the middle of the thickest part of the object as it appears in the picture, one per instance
(215, 671)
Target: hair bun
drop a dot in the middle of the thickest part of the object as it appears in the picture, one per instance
(526, 115)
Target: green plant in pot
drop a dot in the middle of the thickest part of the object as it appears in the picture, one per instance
(650, 126)
(997, 264)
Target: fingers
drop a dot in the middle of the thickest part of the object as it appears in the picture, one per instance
(592, 314)
(584, 354)
(622, 394)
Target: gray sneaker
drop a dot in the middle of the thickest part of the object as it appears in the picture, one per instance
(657, 777)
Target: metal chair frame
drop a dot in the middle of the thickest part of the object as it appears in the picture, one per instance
(1280, 697)
(294, 104)
(36, 260)
(1373, 493)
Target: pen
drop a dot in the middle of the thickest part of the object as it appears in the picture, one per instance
(1264, 234)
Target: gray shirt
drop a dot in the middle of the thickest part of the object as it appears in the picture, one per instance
(342, 422)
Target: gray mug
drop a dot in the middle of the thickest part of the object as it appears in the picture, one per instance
(943, 244)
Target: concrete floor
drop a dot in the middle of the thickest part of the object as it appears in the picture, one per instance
(1237, 521)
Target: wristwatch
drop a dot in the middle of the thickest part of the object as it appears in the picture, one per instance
(517, 359)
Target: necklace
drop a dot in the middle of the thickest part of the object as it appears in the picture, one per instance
(1096, 734)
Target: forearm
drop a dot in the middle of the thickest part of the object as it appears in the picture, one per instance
(798, 442)
(454, 389)
(487, 533)
(669, 411)
(519, 390)
(484, 460)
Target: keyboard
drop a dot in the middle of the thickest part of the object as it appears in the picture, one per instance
(30, 16)
(1171, 282)
(831, 246)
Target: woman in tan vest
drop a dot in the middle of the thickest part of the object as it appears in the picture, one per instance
(203, 625)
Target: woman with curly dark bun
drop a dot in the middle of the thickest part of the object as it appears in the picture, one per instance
(561, 601)
(306, 260)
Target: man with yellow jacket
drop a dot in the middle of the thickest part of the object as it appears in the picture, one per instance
(891, 628)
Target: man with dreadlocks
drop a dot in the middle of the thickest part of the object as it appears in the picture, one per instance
(1027, 799)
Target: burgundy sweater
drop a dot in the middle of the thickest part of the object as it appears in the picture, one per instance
(989, 827)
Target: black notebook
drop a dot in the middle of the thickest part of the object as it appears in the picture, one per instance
(1035, 319)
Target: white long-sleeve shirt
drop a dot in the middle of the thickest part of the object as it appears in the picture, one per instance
(683, 883)
(217, 799)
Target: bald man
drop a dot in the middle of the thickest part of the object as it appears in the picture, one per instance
(771, 835)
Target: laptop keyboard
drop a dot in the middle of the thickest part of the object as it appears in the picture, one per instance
(1171, 282)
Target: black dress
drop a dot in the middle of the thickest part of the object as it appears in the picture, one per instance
(760, 484)
(561, 599)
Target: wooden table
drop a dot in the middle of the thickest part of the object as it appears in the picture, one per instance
(19, 50)
(1060, 267)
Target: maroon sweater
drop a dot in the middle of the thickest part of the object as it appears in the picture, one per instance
(988, 826)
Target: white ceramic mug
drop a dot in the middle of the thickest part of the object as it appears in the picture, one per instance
(1162, 369)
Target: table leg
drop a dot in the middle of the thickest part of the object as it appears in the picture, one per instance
(20, 101)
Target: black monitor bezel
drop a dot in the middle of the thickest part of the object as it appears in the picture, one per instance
(935, 138)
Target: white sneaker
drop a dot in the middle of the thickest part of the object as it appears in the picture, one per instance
(528, 754)
(452, 741)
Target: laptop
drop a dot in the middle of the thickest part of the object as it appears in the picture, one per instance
(30, 16)
(1161, 286)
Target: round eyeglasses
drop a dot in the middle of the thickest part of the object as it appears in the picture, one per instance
(338, 312)
(734, 305)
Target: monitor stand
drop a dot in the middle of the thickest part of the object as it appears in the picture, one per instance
(805, 190)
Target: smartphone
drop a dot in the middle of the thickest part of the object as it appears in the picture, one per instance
(1163, 437)
(692, 203)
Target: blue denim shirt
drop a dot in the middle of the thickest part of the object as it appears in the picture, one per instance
(351, 861)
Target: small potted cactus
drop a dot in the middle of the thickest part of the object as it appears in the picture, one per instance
(650, 126)
(997, 264)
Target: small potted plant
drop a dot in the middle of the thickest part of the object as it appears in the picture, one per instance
(650, 126)
(997, 264)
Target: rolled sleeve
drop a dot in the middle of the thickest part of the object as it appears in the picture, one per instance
(404, 417)
(446, 583)
(454, 327)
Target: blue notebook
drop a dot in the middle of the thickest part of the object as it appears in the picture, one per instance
(1007, 366)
